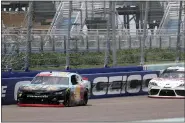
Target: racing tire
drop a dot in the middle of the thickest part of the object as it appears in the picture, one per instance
(19, 101)
(68, 101)
(85, 99)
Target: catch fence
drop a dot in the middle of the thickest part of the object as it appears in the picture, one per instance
(87, 49)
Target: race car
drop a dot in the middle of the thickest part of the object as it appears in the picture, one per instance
(55, 89)
(169, 84)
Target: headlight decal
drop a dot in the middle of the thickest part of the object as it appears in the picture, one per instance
(20, 94)
(181, 85)
(153, 83)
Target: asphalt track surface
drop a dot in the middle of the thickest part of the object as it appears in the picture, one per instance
(120, 109)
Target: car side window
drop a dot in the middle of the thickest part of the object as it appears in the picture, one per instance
(74, 80)
(79, 79)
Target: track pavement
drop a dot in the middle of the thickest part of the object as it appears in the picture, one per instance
(111, 109)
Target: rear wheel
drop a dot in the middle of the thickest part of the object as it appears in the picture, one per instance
(67, 100)
(85, 99)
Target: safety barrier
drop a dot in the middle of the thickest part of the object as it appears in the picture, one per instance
(103, 84)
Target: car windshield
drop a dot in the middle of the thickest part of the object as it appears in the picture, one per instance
(50, 80)
(172, 74)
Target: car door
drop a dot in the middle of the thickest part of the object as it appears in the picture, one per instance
(78, 88)
(81, 86)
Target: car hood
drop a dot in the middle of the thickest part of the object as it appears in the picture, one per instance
(41, 87)
(168, 82)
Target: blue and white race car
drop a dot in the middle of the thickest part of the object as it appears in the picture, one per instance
(55, 89)
(170, 84)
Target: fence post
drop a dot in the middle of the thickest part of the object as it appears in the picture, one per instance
(76, 44)
(160, 42)
(169, 42)
(178, 47)
(53, 43)
(119, 42)
(104, 9)
(130, 42)
(16, 45)
(69, 36)
(64, 44)
(140, 38)
(98, 42)
(114, 34)
(92, 5)
(86, 12)
(81, 21)
(107, 49)
(41, 43)
(87, 43)
(144, 35)
(28, 43)
(150, 41)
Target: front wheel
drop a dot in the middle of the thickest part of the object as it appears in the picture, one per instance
(19, 101)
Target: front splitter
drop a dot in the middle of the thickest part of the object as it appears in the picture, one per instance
(167, 97)
(40, 105)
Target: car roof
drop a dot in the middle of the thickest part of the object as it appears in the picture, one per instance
(176, 68)
(55, 73)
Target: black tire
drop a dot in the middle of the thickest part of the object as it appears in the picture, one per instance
(85, 100)
(19, 101)
(68, 101)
